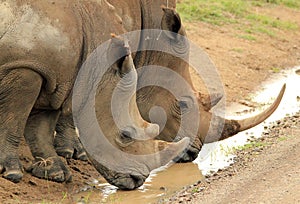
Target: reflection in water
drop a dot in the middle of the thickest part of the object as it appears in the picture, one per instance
(161, 183)
(219, 155)
(165, 181)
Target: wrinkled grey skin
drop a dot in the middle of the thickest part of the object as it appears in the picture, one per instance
(211, 128)
(43, 45)
(167, 19)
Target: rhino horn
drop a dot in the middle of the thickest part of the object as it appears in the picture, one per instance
(255, 120)
(232, 127)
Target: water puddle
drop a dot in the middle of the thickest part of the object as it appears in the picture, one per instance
(165, 181)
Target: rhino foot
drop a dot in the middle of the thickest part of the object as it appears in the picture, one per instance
(52, 168)
(69, 147)
(66, 141)
(11, 168)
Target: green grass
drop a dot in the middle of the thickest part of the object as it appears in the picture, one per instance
(289, 3)
(237, 50)
(247, 37)
(226, 150)
(251, 145)
(275, 69)
(216, 12)
(284, 137)
(238, 12)
(195, 190)
(270, 21)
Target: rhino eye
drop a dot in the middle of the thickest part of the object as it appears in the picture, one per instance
(126, 137)
(184, 107)
(185, 104)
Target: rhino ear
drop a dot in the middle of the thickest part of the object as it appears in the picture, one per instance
(171, 22)
(119, 55)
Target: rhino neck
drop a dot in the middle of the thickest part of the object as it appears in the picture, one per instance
(101, 18)
(152, 13)
(151, 18)
(128, 12)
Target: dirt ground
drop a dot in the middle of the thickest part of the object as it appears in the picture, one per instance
(269, 175)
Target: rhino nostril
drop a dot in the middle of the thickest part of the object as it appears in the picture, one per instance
(138, 180)
(128, 181)
(193, 154)
(152, 130)
(190, 155)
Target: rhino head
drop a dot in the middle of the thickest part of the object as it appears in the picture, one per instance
(119, 143)
(210, 127)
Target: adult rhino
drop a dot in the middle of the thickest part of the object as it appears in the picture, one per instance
(61, 35)
(151, 17)
(43, 47)
(211, 127)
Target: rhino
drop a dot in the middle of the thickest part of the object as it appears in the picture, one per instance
(211, 127)
(44, 45)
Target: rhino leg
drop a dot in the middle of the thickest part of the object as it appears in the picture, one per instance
(18, 83)
(66, 141)
(39, 134)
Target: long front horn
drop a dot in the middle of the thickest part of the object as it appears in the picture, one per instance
(232, 127)
(257, 119)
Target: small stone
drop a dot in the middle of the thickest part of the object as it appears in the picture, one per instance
(31, 182)
(162, 188)
(16, 193)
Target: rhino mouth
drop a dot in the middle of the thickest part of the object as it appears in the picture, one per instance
(124, 181)
(127, 181)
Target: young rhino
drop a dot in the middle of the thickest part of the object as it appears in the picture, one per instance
(129, 153)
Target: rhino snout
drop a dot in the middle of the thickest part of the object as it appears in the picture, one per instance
(128, 181)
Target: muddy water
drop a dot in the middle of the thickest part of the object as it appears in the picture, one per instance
(162, 183)
(165, 181)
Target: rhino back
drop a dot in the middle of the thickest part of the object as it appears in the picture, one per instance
(53, 38)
